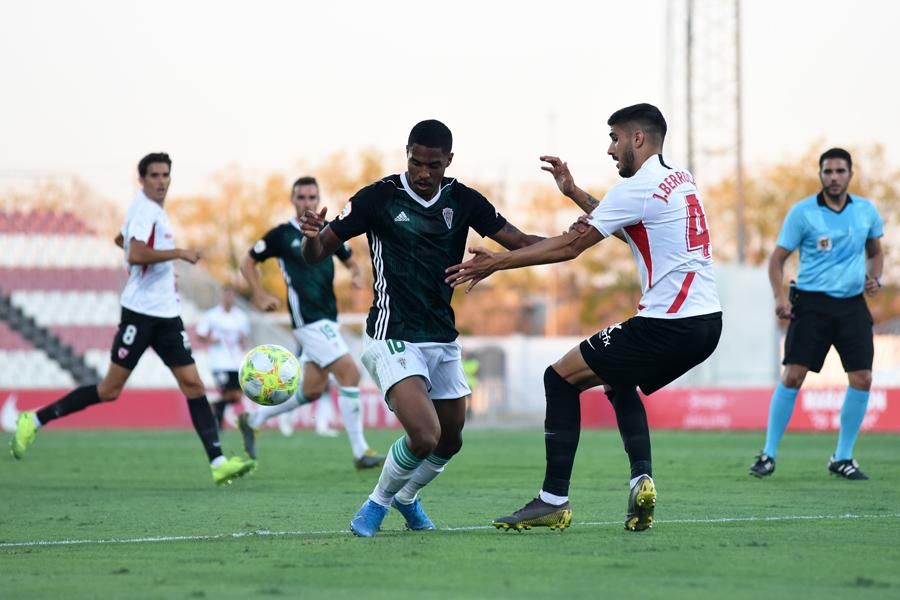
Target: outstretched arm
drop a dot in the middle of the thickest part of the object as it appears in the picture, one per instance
(566, 184)
(551, 250)
(319, 243)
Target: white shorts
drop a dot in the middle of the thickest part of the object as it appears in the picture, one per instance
(440, 364)
(322, 342)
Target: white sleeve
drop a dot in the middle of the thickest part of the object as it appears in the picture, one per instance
(617, 210)
(142, 222)
(203, 326)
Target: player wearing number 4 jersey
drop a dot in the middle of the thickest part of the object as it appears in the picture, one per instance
(658, 212)
(150, 319)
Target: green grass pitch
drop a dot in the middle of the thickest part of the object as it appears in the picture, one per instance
(146, 521)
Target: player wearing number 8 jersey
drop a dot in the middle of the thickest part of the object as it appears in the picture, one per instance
(658, 212)
(150, 319)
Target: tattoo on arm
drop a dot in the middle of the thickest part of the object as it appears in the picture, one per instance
(511, 238)
(589, 204)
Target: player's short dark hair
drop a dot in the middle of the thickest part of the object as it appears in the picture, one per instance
(649, 118)
(153, 157)
(431, 134)
(836, 153)
(305, 180)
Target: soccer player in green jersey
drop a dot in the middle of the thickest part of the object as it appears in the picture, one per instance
(416, 224)
(313, 309)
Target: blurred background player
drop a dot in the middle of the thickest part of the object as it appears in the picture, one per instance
(313, 309)
(416, 224)
(226, 328)
(838, 236)
(150, 319)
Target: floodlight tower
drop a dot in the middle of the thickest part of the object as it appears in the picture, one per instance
(703, 90)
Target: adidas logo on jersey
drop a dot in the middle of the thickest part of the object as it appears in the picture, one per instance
(401, 218)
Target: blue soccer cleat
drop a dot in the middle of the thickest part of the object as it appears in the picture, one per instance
(416, 519)
(368, 520)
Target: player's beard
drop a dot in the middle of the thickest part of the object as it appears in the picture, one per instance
(627, 169)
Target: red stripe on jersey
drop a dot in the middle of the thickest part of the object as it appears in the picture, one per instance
(682, 293)
(149, 245)
(638, 234)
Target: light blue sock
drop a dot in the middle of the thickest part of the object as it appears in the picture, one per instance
(780, 410)
(852, 413)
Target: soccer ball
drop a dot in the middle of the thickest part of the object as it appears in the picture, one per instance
(270, 374)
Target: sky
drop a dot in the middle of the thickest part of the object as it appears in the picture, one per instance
(91, 86)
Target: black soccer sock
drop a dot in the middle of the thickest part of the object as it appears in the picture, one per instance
(77, 399)
(632, 420)
(219, 412)
(205, 426)
(562, 428)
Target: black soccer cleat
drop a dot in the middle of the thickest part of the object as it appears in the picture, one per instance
(848, 469)
(763, 466)
(536, 513)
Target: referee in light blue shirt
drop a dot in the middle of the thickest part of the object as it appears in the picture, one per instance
(839, 238)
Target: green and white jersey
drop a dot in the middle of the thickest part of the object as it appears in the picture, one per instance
(310, 288)
(412, 241)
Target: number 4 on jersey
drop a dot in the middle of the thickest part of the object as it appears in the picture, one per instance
(697, 233)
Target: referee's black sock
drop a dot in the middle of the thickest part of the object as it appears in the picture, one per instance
(562, 428)
(632, 420)
(205, 426)
(77, 399)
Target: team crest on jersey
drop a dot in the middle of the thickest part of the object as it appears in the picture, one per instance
(259, 247)
(295, 243)
(824, 243)
(347, 208)
(448, 217)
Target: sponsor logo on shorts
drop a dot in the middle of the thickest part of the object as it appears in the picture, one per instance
(402, 362)
(606, 334)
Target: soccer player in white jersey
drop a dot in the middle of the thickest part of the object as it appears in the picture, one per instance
(226, 328)
(657, 210)
(151, 318)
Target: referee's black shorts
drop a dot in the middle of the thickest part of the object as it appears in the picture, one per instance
(651, 353)
(821, 321)
(138, 331)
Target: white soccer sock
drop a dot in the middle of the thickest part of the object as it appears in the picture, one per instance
(264, 413)
(553, 498)
(217, 461)
(351, 413)
(399, 466)
(634, 480)
(430, 468)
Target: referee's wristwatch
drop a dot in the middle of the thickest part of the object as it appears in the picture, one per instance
(877, 280)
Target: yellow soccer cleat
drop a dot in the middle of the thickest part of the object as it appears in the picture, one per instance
(537, 513)
(641, 502)
(231, 469)
(24, 435)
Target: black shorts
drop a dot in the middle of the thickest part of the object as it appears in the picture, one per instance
(227, 380)
(651, 353)
(137, 332)
(821, 321)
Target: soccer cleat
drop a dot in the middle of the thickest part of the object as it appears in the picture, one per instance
(369, 460)
(416, 519)
(24, 435)
(537, 513)
(641, 502)
(763, 466)
(231, 469)
(367, 521)
(248, 435)
(848, 469)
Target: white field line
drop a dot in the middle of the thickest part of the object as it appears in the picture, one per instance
(266, 533)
